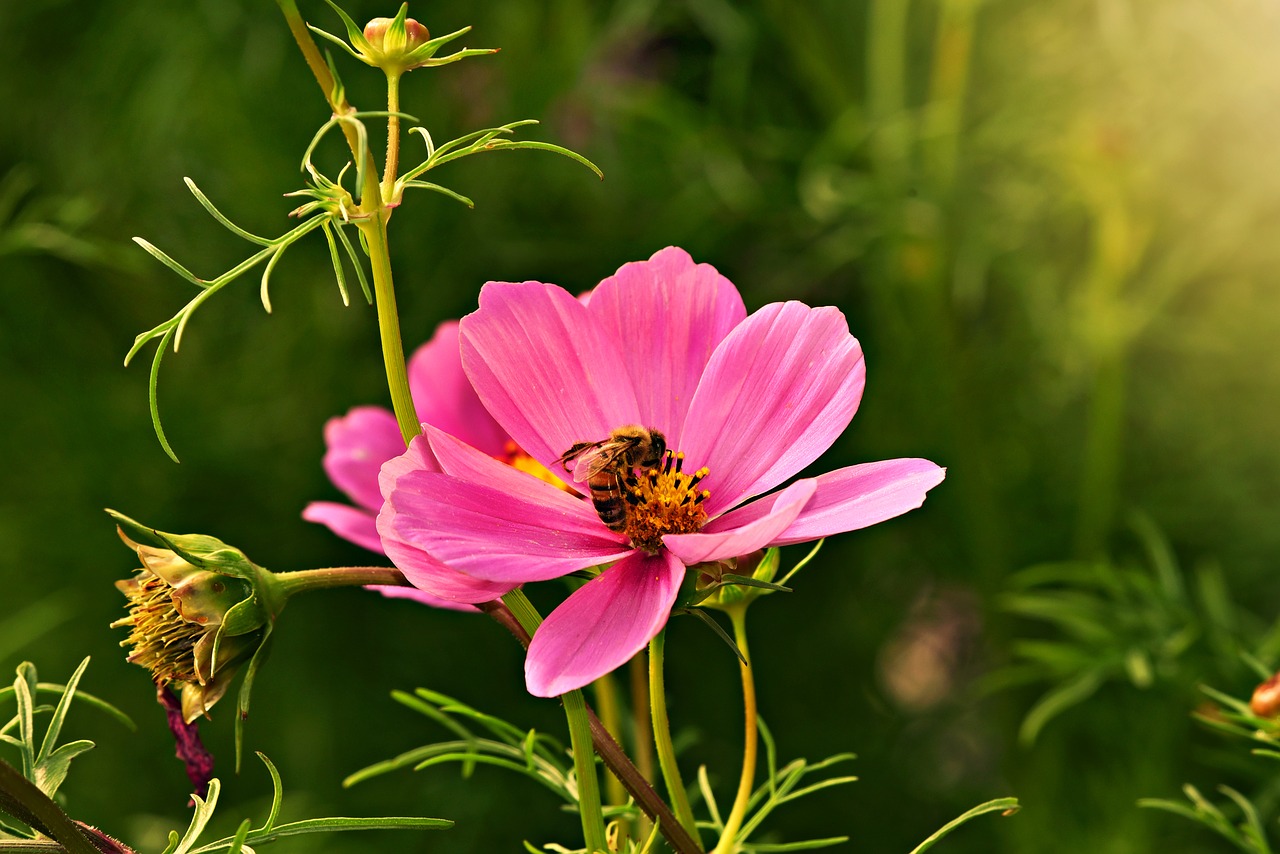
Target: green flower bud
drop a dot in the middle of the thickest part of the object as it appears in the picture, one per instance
(398, 44)
(736, 582)
(198, 610)
(393, 37)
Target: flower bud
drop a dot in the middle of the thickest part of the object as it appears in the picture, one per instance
(389, 40)
(198, 610)
(736, 582)
(398, 44)
(1265, 702)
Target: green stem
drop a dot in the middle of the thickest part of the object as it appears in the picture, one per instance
(606, 692)
(738, 616)
(641, 719)
(338, 576)
(610, 752)
(373, 226)
(662, 736)
(22, 799)
(393, 137)
(575, 710)
(311, 53)
(375, 232)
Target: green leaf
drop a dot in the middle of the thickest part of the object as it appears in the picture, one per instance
(717, 628)
(436, 188)
(1056, 701)
(355, 262)
(170, 263)
(264, 285)
(808, 845)
(24, 687)
(327, 825)
(336, 261)
(217, 214)
(204, 808)
(748, 581)
(1007, 806)
(277, 792)
(246, 688)
(52, 770)
(709, 798)
(153, 401)
(54, 729)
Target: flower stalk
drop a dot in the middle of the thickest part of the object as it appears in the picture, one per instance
(606, 691)
(384, 295)
(580, 737)
(617, 761)
(374, 225)
(338, 576)
(662, 736)
(738, 616)
(393, 137)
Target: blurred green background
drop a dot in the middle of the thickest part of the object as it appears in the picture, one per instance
(1051, 223)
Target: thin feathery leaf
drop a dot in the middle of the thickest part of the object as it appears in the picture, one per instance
(1005, 806)
(277, 792)
(153, 400)
(337, 264)
(170, 263)
(218, 215)
(355, 262)
(804, 561)
(54, 729)
(436, 188)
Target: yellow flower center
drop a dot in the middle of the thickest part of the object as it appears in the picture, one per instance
(664, 500)
(162, 641)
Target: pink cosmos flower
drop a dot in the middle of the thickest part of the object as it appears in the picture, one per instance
(358, 443)
(744, 403)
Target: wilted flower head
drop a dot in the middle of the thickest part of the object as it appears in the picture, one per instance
(360, 442)
(743, 404)
(194, 618)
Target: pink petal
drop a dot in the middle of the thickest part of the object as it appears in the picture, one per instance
(392, 592)
(603, 623)
(491, 534)
(542, 366)
(777, 392)
(353, 524)
(463, 461)
(858, 496)
(776, 514)
(444, 397)
(671, 314)
(430, 575)
(417, 457)
(357, 446)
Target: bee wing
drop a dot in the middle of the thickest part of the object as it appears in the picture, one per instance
(591, 463)
(591, 460)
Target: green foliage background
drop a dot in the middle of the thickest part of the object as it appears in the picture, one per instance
(1051, 225)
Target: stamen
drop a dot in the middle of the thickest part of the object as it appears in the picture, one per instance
(662, 500)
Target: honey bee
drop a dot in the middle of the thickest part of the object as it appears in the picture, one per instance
(606, 465)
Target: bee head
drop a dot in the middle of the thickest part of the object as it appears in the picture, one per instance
(657, 447)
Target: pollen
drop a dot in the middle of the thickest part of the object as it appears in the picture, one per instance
(515, 456)
(162, 641)
(664, 500)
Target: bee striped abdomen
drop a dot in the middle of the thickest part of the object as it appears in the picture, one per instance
(606, 497)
